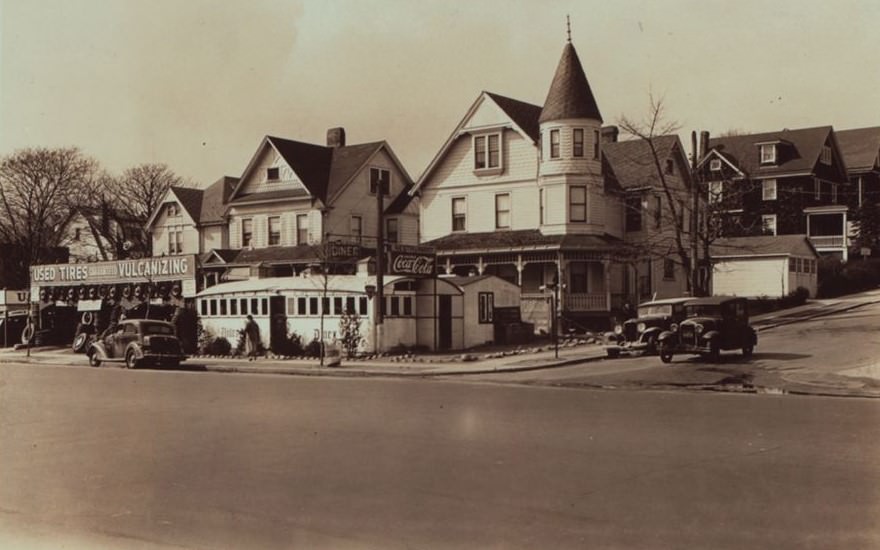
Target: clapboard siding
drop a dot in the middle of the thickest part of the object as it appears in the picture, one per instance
(256, 180)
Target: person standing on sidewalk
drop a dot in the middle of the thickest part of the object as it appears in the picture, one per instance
(251, 338)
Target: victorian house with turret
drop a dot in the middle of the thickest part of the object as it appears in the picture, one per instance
(529, 193)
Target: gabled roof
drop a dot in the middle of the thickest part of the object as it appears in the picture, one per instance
(310, 162)
(190, 199)
(225, 255)
(399, 204)
(799, 154)
(523, 239)
(214, 200)
(860, 147)
(525, 115)
(763, 245)
(634, 165)
(570, 95)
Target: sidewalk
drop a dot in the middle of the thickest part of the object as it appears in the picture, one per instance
(522, 358)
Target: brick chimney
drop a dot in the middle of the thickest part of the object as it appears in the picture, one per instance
(704, 143)
(336, 137)
(609, 134)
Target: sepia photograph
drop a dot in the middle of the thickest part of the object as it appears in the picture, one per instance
(381, 274)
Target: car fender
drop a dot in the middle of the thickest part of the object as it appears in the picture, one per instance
(138, 350)
(649, 334)
(666, 336)
(711, 335)
(613, 337)
(99, 349)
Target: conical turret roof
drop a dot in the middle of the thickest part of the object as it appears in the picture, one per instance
(570, 95)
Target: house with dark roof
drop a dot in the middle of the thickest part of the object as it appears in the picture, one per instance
(861, 152)
(786, 182)
(290, 197)
(527, 193)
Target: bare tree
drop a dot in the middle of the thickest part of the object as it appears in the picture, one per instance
(39, 191)
(127, 201)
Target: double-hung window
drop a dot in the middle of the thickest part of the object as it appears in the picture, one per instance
(768, 221)
(486, 303)
(274, 230)
(769, 189)
(356, 228)
(302, 229)
(487, 151)
(768, 153)
(502, 211)
(554, 144)
(459, 214)
(380, 177)
(391, 232)
(577, 142)
(247, 232)
(577, 203)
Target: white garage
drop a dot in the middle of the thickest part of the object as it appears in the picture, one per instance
(765, 266)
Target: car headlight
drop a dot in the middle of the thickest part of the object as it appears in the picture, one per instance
(673, 327)
(641, 327)
(698, 329)
(618, 329)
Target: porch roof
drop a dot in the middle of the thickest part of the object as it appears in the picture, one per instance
(520, 240)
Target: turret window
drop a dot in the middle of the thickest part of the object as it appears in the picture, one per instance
(554, 144)
(597, 143)
(577, 203)
(577, 142)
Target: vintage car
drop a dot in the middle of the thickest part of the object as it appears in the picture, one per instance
(138, 342)
(639, 335)
(711, 325)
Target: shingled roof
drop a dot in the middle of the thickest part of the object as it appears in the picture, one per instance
(800, 153)
(763, 245)
(525, 115)
(214, 200)
(190, 199)
(860, 147)
(633, 163)
(570, 95)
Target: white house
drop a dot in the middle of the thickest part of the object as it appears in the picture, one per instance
(764, 266)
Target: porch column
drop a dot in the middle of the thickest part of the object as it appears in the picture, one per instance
(606, 266)
(519, 270)
(845, 239)
(481, 266)
(448, 266)
(561, 265)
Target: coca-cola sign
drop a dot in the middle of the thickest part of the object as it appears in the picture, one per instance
(413, 265)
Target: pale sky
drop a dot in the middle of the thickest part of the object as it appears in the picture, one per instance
(196, 84)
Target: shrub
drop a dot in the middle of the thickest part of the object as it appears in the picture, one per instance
(217, 346)
(290, 345)
(350, 331)
(797, 297)
(313, 349)
(837, 278)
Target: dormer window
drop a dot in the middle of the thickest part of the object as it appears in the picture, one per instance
(768, 153)
(715, 165)
(826, 155)
(487, 152)
(272, 174)
(173, 210)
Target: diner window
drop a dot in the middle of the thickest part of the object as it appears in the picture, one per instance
(337, 306)
(265, 304)
(244, 306)
(302, 229)
(349, 305)
(204, 307)
(356, 228)
(459, 214)
(380, 177)
(395, 306)
(301, 306)
(274, 230)
(247, 232)
(487, 151)
(213, 307)
(391, 233)
(233, 307)
(486, 306)
(769, 190)
(223, 307)
(407, 306)
(577, 203)
(362, 305)
(577, 142)
(313, 306)
(502, 211)
(255, 306)
(325, 306)
(554, 144)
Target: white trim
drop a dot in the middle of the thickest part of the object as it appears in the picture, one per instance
(715, 153)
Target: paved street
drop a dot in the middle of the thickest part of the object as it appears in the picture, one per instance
(109, 458)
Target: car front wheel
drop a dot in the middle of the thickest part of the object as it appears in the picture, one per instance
(747, 351)
(131, 361)
(665, 354)
(93, 359)
(714, 354)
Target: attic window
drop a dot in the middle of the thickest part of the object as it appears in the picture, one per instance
(173, 210)
(487, 152)
(272, 174)
(768, 153)
(715, 165)
(826, 155)
(379, 176)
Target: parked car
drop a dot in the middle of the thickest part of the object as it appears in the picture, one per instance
(639, 335)
(711, 325)
(138, 342)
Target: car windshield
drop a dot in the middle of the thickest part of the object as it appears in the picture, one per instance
(659, 309)
(703, 310)
(157, 328)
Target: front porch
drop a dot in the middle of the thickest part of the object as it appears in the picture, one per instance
(827, 229)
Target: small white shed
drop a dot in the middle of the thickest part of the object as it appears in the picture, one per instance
(766, 265)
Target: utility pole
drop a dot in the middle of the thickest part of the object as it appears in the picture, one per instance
(380, 260)
(695, 213)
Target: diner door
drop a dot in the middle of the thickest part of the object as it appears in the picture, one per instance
(444, 322)
(278, 320)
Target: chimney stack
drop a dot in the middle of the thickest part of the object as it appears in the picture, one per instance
(704, 143)
(609, 134)
(336, 137)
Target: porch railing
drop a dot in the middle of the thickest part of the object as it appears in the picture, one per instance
(828, 241)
